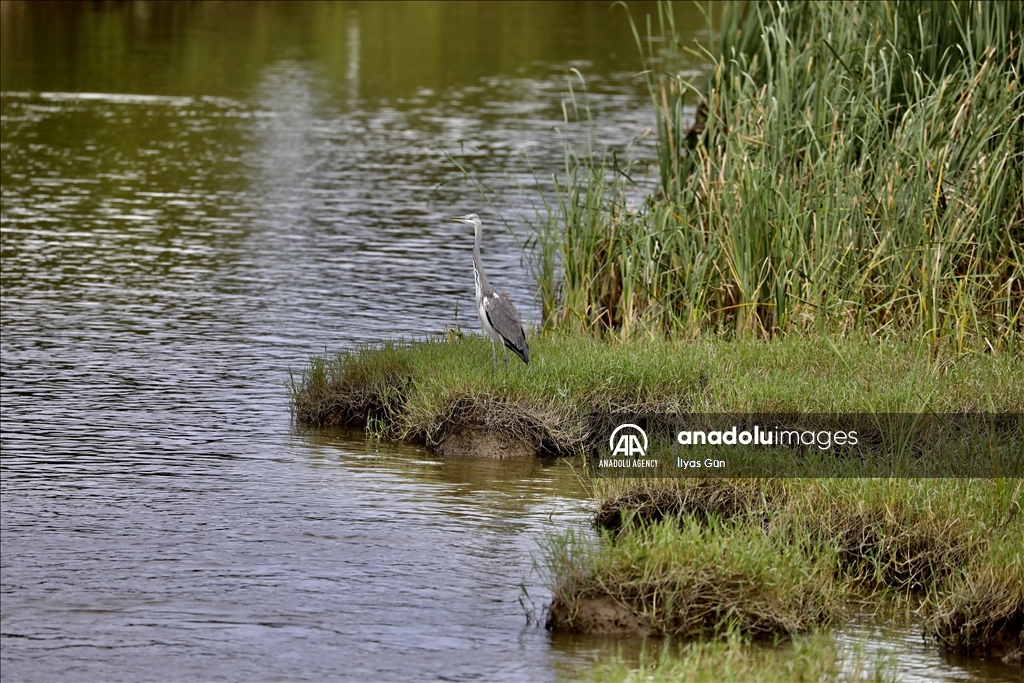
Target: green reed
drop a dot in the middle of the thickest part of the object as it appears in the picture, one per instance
(850, 166)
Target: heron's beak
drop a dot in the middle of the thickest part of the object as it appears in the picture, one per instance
(457, 219)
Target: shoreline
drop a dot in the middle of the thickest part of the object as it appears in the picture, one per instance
(441, 393)
(776, 557)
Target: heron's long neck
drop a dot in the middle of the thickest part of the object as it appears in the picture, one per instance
(478, 267)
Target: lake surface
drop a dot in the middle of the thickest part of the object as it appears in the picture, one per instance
(195, 197)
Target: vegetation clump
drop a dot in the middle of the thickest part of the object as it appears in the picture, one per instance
(645, 501)
(561, 403)
(953, 547)
(848, 166)
(979, 606)
(355, 388)
(687, 578)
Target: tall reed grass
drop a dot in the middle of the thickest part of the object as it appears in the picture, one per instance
(845, 165)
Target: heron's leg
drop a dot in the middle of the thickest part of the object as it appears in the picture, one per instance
(494, 357)
(504, 352)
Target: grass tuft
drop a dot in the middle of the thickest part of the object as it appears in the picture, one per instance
(363, 387)
(682, 577)
(979, 606)
(955, 547)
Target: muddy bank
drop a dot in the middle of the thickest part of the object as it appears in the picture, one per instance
(601, 615)
(482, 443)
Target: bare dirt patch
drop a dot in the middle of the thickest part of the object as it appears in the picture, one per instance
(600, 615)
(484, 443)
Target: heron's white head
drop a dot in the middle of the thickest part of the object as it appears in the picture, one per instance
(468, 219)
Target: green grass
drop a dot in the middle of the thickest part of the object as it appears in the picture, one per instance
(699, 557)
(681, 577)
(857, 166)
(418, 391)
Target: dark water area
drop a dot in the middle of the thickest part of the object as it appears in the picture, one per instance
(195, 198)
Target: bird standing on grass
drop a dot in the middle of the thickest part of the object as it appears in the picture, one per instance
(497, 316)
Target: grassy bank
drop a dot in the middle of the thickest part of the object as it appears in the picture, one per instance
(429, 390)
(684, 577)
(783, 556)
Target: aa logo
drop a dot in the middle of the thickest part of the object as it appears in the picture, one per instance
(626, 440)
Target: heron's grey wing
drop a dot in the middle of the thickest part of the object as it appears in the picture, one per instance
(505, 320)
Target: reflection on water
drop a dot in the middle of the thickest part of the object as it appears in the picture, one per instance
(913, 658)
(196, 196)
(863, 652)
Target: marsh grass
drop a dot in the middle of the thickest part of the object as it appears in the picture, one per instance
(682, 577)
(979, 605)
(951, 548)
(423, 390)
(851, 166)
(362, 387)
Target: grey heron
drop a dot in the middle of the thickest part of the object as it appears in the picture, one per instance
(497, 316)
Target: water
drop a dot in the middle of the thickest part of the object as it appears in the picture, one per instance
(190, 208)
(195, 197)
(323, 562)
(906, 654)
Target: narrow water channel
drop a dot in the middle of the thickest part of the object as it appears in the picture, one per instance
(195, 197)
